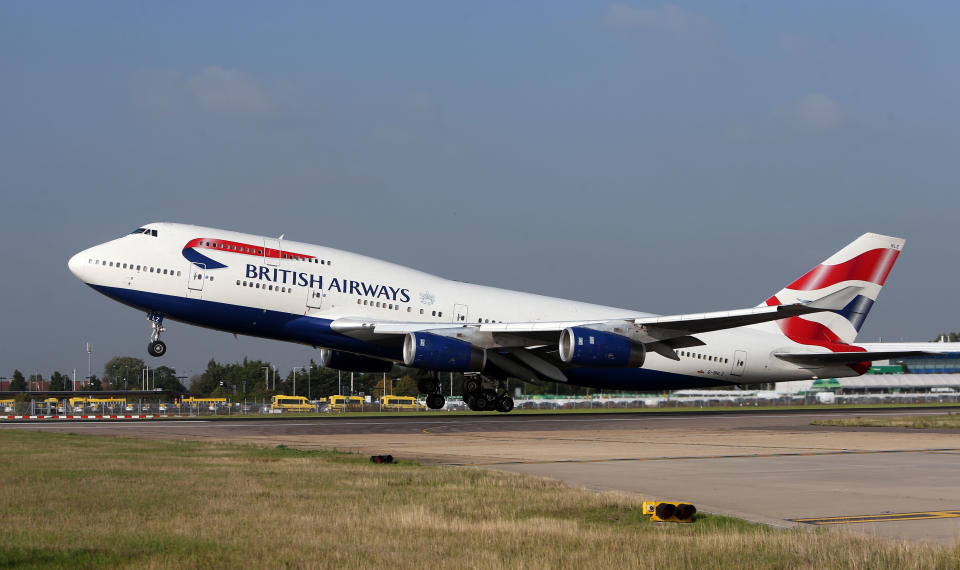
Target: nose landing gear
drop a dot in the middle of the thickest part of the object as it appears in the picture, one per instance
(156, 347)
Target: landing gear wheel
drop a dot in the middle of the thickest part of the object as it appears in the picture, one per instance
(489, 395)
(505, 404)
(480, 404)
(471, 385)
(157, 348)
(435, 401)
(427, 385)
(470, 401)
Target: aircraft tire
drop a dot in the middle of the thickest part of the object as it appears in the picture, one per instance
(489, 395)
(505, 404)
(471, 385)
(435, 401)
(480, 404)
(157, 348)
(427, 385)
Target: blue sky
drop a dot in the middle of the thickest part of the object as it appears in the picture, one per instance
(665, 157)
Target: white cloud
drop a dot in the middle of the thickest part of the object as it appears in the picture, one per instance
(213, 89)
(229, 91)
(669, 20)
(815, 112)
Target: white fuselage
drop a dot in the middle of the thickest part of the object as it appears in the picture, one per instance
(287, 290)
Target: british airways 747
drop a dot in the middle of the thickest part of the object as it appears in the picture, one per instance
(366, 315)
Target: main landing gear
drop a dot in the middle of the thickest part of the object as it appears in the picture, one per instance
(479, 398)
(431, 387)
(156, 347)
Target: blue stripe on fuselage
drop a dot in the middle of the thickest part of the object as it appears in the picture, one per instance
(250, 321)
(194, 256)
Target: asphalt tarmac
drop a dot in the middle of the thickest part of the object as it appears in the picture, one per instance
(765, 466)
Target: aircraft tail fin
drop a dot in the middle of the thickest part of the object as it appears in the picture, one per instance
(864, 263)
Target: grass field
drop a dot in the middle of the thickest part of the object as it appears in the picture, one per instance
(598, 410)
(940, 421)
(82, 501)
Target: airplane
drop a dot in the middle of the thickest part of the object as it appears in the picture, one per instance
(365, 315)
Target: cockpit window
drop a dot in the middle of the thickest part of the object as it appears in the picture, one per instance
(145, 231)
(139, 231)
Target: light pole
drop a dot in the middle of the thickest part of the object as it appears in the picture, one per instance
(89, 360)
(308, 379)
(295, 368)
(266, 378)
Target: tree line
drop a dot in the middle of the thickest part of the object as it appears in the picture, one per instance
(259, 379)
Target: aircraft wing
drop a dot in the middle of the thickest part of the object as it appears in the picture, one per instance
(869, 352)
(662, 334)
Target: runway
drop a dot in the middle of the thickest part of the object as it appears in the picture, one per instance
(770, 467)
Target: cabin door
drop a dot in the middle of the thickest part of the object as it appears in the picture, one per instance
(314, 297)
(739, 362)
(271, 251)
(198, 274)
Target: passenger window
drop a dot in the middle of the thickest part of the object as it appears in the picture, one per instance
(421, 311)
(238, 281)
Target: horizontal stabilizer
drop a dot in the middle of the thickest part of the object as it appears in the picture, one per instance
(869, 352)
(828, 358)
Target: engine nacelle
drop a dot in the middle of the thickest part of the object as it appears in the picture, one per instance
(435, 352)
(588, 347)
(349, 362)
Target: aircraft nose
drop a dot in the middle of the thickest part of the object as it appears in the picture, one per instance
(76, 262)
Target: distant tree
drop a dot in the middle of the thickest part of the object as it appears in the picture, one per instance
(124, 372)
(950, 337)
(194, 384)
(35, 381)
(165, 378)
(405, 386)
(209, 379)
(95, 384)
(59, 381)
(17, 382)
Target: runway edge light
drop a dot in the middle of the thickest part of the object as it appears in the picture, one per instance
(669, 511)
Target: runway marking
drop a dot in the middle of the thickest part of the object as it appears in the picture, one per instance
(98, 425)
(688, 457)
(887, 517)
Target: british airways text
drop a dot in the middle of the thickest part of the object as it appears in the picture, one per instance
(277, 275)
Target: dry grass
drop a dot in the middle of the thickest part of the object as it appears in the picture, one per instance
(82, 501)
(940, 421)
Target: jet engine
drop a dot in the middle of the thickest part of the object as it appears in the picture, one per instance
(588, 347)
(349, 362)
(435, 352)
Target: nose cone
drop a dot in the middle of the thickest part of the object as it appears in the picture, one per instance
(76, 263)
